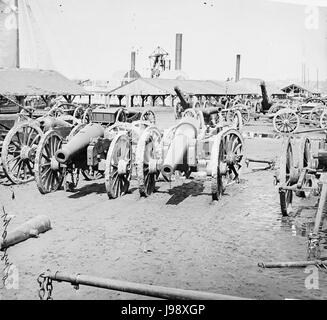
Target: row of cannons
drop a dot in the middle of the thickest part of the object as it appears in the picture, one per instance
(286, 115)
(119, 145)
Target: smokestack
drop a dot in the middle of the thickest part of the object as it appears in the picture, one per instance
(178, 52)
(133, 61)
(238, 67)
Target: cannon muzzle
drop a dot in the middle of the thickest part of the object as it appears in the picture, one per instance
(178, 147)
(80, 141)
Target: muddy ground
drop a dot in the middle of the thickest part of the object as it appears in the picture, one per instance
(177, 237)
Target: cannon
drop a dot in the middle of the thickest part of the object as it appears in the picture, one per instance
(303, 173)
(183, 104)
(20, 142)
(103, 147)
(191, 146)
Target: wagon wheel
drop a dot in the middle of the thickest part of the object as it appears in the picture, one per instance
(286, 121)
(196, 114)
(18, 152)
(148, 115)
(237, 121)
(121, 115)
(245, 112)
(49, 174)
(226, 161)
(94, 175)
(87, 116)
(79, 113)
(75, 130)
(118, 166)
(316, 113)
(148, 153)
(285, 169)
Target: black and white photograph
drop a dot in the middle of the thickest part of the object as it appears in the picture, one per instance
(163, 150)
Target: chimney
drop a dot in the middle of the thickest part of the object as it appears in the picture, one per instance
(133, 61)
(178, 52)
(238, 66)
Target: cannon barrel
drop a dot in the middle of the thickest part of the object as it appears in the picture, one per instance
(184, 103)
(49, 122)
(79, 141)
(178, 147)
(266, 104)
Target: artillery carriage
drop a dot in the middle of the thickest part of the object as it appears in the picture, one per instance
(20, 142)
(303, 173)
(195, 144)
(105, 146)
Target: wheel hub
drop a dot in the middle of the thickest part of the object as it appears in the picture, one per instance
(153, 165)
(122, 167)
(231, 158)
(54, 164)
(27, 152)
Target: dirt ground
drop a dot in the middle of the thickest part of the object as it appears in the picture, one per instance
(177, 237)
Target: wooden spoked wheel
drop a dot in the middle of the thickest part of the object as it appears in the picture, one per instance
(316, 113)
(236, 120)
(195, 114)
(18, 152)
(148, 153)
(121, 115)
(87, 116)
(285, 169)
(79, 113)
(75, 130)
(227, 161)
(49, 174)
(148, 115)
(245, 113)
(94, 175)
(118, 166)
(286, 121)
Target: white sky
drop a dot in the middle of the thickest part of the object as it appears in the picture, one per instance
(93, 39)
